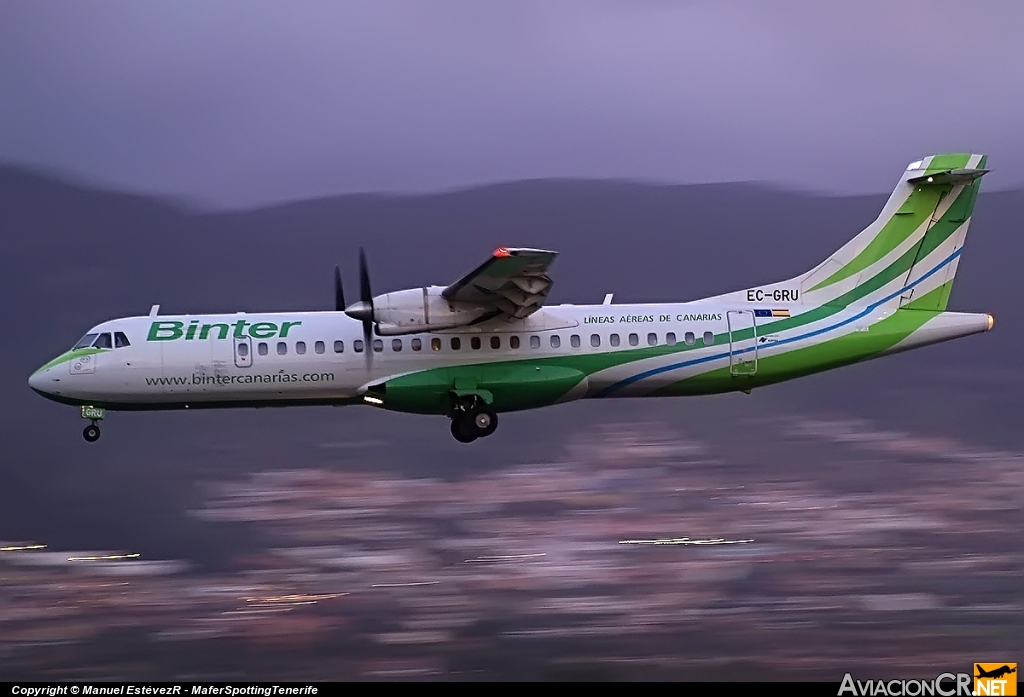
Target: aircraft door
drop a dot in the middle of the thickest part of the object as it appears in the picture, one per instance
(742, 342)
(243, 352)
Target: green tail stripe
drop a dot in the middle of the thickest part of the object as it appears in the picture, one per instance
(843, 350)
(939, 233)
(914, 212)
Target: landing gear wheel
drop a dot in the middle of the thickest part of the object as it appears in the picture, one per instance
(484, 422)
(91, 433)
(463, 430)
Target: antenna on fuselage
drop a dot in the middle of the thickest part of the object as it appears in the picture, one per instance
(154, 311)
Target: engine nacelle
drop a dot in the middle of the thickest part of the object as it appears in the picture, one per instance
(420, 310)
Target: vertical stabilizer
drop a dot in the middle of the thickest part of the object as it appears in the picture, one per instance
(908, 256)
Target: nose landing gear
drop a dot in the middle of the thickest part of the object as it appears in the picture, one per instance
(473, 419)
(94, 414)
(91, 432)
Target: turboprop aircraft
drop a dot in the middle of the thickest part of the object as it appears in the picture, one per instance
(488, 344)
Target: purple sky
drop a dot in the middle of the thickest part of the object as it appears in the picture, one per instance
(240, 103)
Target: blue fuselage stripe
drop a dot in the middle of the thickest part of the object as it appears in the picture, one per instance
(697, 361)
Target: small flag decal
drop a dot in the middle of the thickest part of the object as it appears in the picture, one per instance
(771, 313)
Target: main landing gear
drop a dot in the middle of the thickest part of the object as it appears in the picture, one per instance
(472, 420)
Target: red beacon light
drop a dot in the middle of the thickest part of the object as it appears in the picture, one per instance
(502, 252)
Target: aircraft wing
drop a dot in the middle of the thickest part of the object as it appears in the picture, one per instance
(513, 282)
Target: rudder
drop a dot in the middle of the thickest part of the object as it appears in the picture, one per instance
(937, 256)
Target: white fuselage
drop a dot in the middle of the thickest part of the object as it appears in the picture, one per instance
(317, 357)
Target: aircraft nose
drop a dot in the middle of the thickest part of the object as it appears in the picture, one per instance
(37, 381)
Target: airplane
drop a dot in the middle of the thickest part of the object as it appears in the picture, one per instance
(488, 344)
(995, 673)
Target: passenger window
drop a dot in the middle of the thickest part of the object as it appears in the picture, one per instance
(416, 344)
(595, 340)
(670, 338)
(709, 338)
(396, 344)
(556, 341)
(243, 350)
(262, 348)
(357, 345)
(475, 342)
(574, 340)
(282, 348)
(495, 342)
(103, 341)
(513, 342)
(534, 342)
(613, 340)
(378, 345)
(689, 338)
(435, 344)
(634, 340)
(319, 347)
(120, 340)
(652, 339)
(339, 347)
(300, 347)
(456, 343)
(85, 341)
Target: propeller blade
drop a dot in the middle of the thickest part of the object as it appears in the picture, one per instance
(364, 279)
(367, 338)
(339, 293)
(366, 298)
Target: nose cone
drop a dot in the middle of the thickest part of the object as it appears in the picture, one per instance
(38, 380)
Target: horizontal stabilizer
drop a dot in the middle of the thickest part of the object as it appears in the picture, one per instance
(950, 176)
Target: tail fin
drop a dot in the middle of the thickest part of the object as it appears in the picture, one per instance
(909, 255)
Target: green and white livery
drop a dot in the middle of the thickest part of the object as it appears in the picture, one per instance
(488, 344)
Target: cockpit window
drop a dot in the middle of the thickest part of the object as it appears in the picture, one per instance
(103, 341)
(85, 341)
(120, 340)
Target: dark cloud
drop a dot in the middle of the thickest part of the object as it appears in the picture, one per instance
(237, 103)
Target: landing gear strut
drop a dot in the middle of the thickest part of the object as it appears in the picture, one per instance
(94, 414)
(473, 419)
(91, 432)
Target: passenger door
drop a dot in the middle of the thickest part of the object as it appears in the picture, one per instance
(742, 342)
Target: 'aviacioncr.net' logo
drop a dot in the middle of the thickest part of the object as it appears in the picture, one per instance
(995, 679)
